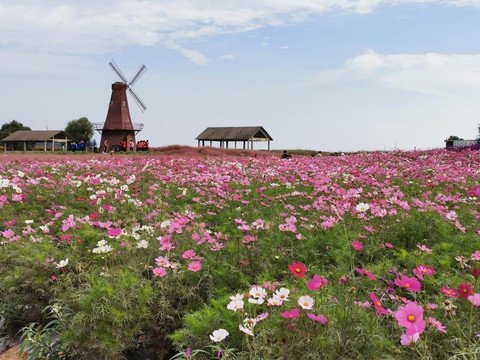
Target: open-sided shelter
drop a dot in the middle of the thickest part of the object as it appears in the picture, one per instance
(246, 134)
(24, 140)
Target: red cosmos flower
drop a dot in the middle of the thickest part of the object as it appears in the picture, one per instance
(298, 269)
(476, 273)
(464, 291)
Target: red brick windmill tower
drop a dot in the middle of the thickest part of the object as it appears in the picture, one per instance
(118, 126)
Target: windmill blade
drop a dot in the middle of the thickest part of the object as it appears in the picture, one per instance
(139, 73)
(139, 102)
(115, 68)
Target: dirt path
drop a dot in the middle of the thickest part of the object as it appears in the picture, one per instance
(13, 354)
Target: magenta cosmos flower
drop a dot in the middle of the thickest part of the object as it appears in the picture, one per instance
(411, 318)
(317, 282)
(378, 305)
(411, 284)
(357, 245)
(298, 269)
(294, 313)
(195, 266)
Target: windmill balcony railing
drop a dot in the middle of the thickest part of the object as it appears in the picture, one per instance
(137, 127)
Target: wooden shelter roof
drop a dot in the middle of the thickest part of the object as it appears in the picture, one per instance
(37, 135)
(241, 133)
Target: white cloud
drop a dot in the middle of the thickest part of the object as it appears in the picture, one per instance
(228, 57)
(99, 27)
(440, 75)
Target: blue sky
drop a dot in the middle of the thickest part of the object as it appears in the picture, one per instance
(329, 75)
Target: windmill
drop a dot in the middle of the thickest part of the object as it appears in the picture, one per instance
(118, 126)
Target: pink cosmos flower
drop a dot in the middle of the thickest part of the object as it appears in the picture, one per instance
(449, 292)
(195, 266)
(294, 313)
(424, 248)
(317, 282)
(411, 284)
(476, 255)
(357, 245)
(408, 340)
(388, 245)
(474, 299)
(159, 271)
(437, 324)
(411, 318)
(188, 254)
(319, 318)
(378, 305)
(421, 270)
(8, 233)
(366, 272)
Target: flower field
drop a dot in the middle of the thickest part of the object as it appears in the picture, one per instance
(364, 256)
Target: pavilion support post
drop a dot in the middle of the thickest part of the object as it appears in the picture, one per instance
(210, 143)
(243, 144)
(226, 144)
(269, 146)
(53, 144)
(24, 146)
(235, 144)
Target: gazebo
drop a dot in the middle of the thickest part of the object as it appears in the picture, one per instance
(24, 140)
(246, 134)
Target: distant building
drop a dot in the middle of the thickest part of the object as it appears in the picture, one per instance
(244, 134)
(460, 143)
(24, 140)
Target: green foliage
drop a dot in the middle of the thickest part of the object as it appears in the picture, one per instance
(80, 130)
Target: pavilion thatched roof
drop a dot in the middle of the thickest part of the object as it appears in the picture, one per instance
(241, 133)
(37, 135)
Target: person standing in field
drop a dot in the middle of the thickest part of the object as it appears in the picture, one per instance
(105, 145)
(131, 145)
(94, 146)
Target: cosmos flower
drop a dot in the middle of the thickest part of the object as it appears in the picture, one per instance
(219, 335)
(411, 318)
(297, 269)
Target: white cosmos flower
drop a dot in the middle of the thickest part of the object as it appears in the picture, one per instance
(62, 263)
(235, 305)
(362, 207)
(306, 302)
(258, 301)
(142, 244)
(282, 293)
(258, 292)
(246, 330)
(219, 335)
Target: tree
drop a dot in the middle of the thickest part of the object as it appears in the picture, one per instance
(80, 130)
(11, 127)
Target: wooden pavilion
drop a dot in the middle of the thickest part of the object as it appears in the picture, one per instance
(24, 140)
(246, 134)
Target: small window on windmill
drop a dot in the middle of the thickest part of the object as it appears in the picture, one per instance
(123, 103)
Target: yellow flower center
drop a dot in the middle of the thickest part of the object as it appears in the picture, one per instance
(379, 303)
(411, 318)
(407, 285)
(297, 270)
(305, 303)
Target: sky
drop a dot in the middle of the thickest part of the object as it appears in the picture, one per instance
(327, 75)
